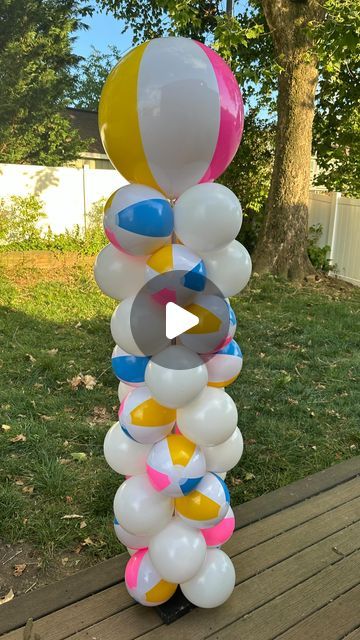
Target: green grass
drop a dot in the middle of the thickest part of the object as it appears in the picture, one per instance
(298, 399)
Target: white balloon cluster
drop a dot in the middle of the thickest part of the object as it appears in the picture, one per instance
(177, 434)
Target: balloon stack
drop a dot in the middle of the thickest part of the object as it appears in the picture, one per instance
(171, 119)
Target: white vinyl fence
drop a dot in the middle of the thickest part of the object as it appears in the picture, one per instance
(67, 193)
(340, 221)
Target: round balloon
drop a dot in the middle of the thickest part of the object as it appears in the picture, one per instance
(138, 220)
(171, 115)
(224, 366)
(178, 551)
(144, 583)
(219, 534)
(175, 466)
(214, 582)
(128, 368)
(143, 419)
(175, 257)
(207, 217)
(124, 326)
(229, 268)
(130, 540)
(140, 509)
(214, 322)
(117, 274)
(123, 390)
(209, 419)
(124, 455)
(206, 505)
(176, 376)
(226, 455)
(233, 321)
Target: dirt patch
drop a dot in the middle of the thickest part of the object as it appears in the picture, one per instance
(28, 267)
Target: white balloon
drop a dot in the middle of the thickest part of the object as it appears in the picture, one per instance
(214, 583)
(130, 540)
(207, 217)
(140, 509)
(178, 551)
(122, 332)
(228, 268)
(123, 454)
(117, 274)
(123, 390)
(226, 455)
(175, 376)
(210, 419)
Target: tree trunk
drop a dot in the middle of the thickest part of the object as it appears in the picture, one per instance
(282, 245)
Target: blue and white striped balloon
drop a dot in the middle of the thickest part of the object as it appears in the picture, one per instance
(128, 368)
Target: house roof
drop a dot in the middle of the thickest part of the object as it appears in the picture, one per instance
(86, 122)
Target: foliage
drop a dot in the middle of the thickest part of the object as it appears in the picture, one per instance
(244, 40)
(21, 228)
(36, 60)
(318, 255)
(56, 324)
(90, 76)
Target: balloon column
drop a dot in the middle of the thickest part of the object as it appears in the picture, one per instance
(171, 120)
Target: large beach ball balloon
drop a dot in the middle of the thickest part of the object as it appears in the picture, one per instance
(214, 582)
(175, 257)
(178, 551)
(209, 419)
(144, 583)
(140, 509)
(143, 419)
(207, 217)
(117, 274)
(128, 368)
(213, 326)
(224, 366)
(123, 390)
(123, 454)
(130, 540)
(206, 505)
(171, 115)
(175, 376)
(228, 268)
(226, 455)
(175, 466)
(138, 220)
(219, 534)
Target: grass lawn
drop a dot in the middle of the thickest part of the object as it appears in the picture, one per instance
(298, 398)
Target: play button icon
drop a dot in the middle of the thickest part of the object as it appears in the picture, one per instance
(178, 320)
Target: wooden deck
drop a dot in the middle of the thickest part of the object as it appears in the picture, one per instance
(297, 557)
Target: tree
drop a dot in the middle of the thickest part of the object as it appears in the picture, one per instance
(90, 76)
(274, 46)
(36, 60)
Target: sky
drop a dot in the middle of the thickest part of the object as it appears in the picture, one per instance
(103, 30)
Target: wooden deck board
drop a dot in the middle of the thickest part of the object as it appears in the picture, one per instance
(294, 550)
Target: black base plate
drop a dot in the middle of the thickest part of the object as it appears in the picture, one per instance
(174, 608)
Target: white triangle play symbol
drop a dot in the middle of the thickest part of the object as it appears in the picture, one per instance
(178, 320)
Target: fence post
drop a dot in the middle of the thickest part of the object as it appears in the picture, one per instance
(333, 221)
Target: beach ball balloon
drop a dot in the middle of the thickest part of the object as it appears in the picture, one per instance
(130, 540)
(176, 257)
(123, 390)
(123, 454)
(144, 583)
(213, 326)
(233, 321)
(175, 466)
(128, 368)
(214, 582)
(140, 509)
(219, 534)
(171, 115)
(143, 419)
(129, 321)
(224, 366)
(206, 505)
(117, 274)
(138, 220)
(207, 217)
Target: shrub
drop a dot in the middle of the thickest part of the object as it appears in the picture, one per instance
(318, 255)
